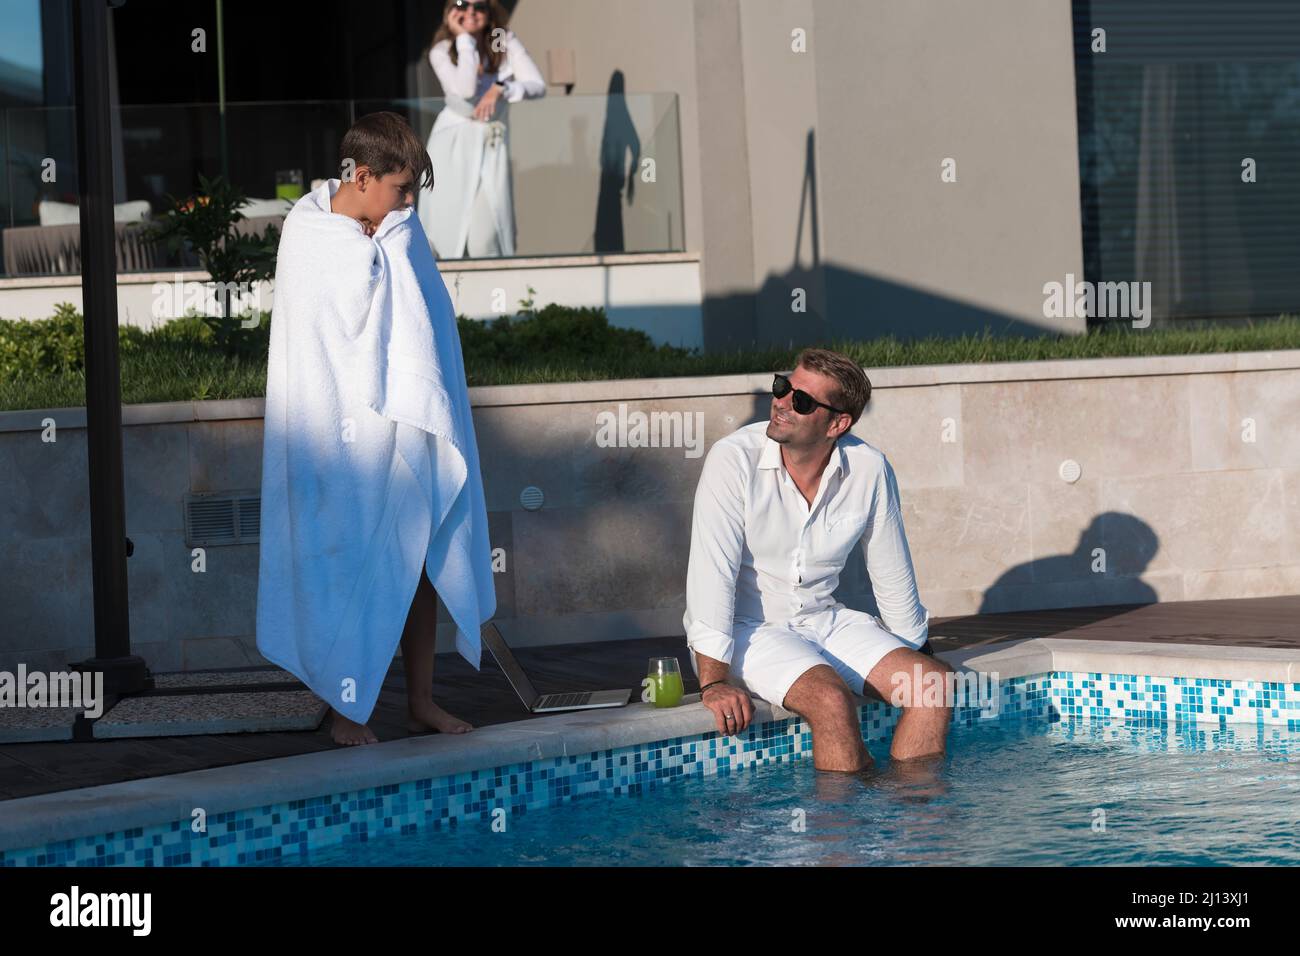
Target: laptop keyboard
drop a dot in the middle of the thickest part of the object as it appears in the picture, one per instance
(564, 700)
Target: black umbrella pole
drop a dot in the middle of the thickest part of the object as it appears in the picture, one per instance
(123, 671)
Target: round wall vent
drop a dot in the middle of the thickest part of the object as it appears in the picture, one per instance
(531, 498)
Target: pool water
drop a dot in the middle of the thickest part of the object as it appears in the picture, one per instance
(1019, 792)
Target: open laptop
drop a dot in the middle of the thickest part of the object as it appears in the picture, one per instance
(543, 703)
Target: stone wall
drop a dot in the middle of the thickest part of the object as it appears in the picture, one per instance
(1189, 485)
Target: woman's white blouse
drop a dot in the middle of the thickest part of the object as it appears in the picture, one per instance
(522, 78)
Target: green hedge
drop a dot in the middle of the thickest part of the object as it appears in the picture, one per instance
(555, 333)
(42, 363)
(32, 351)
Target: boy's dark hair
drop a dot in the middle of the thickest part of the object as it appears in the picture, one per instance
(852, 389)
(386, 143)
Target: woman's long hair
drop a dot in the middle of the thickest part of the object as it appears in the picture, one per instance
(488, 57)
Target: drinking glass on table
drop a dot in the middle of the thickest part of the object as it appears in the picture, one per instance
(664, 682)
(288, 184)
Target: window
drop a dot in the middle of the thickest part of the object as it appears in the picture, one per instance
(1189, 101)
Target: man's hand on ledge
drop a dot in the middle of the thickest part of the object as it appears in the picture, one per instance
(732, 708)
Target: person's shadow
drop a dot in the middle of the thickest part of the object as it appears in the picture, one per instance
(1113, 546)
(618, 140)
(1098, 579)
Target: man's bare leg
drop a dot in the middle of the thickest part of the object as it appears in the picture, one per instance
(822, 698)
(922, 730)
(418, 641)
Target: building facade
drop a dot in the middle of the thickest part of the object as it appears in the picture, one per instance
(805, 170)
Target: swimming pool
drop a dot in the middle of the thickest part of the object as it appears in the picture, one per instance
(1073, 740)
(1025, 792)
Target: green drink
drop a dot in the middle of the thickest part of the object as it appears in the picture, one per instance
(665, 682)
(288, 184)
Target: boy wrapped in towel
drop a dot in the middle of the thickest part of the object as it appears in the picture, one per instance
(371, 493)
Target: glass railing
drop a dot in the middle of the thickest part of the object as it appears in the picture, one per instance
(570, 161)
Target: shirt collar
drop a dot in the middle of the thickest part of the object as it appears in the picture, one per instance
(771, 456)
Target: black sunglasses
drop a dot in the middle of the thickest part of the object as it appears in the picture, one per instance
(803, 403)
(479, 7)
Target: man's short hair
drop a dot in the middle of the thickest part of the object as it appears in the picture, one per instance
(852, 388)
(386, 143)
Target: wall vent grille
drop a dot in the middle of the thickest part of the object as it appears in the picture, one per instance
(219, 518)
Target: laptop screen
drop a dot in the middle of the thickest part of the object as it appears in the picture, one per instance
(495, 643)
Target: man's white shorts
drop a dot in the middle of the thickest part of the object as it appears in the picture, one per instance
(769, 658)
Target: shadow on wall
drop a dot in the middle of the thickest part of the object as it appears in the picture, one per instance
(1112, 552)
(613, 539)
(618, 142)
(1102, 571)
(598, 500)
(607, 510)
(816, 302)
(860, 307)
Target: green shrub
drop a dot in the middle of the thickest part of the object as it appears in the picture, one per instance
(54, 346)
(206, 224)
(42, 363)
(34, 350)
(554, 334)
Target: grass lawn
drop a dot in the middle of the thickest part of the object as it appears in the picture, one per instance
(169, 368)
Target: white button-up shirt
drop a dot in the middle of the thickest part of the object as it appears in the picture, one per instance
(462, 80)
(760, 553)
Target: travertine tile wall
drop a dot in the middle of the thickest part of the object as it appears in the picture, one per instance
(1172, 495)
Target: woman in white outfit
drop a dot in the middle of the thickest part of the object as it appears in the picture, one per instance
(470, 211)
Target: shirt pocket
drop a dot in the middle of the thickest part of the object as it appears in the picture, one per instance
(844, 522)
(843, 532)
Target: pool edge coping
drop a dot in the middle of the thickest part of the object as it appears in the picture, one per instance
(89, 811)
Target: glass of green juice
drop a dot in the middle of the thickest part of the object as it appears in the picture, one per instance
(664, 682)
(288, 184)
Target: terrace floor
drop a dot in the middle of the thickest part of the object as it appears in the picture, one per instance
(485, 698)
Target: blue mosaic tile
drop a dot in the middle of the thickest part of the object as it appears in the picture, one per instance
(298, 826)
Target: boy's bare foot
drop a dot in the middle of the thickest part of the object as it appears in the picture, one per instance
(426, 715)
(349, 733)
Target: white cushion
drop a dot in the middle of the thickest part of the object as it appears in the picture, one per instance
(135, 211)
(67, 213)
(59, 213)
(256, 208)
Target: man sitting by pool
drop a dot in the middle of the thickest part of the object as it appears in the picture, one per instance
(779, 506)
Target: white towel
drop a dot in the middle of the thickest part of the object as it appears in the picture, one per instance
(468, 155)
(370, 467)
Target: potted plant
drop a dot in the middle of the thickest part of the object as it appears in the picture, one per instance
(206, 224)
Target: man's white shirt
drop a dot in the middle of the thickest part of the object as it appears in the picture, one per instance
(761, 554)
